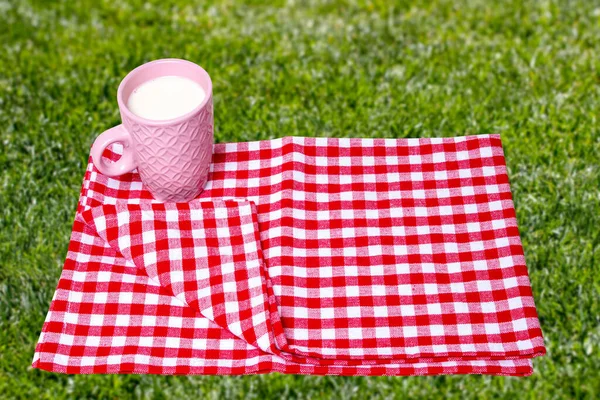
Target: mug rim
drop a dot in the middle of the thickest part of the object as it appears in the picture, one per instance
(182, 118)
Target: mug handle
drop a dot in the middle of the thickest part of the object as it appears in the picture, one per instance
(126, 163)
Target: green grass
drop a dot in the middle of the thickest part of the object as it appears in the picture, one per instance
(528, 70)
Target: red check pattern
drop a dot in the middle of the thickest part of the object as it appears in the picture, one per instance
(303, 255)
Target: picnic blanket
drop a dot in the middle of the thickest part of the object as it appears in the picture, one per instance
(302, 255)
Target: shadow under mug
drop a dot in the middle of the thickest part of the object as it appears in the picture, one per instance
(172, 156)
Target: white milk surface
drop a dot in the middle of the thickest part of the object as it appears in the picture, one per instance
(165, 98)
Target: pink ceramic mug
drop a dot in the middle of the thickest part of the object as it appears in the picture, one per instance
(172, 156)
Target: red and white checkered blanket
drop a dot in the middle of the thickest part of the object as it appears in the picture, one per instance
(303, 255)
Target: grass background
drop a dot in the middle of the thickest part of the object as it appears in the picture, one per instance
(525, 69)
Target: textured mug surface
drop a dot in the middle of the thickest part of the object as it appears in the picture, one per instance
(172, 156)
